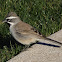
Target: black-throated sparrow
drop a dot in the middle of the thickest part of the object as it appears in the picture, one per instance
(23, 32)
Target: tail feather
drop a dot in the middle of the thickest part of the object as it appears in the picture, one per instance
(49, 41)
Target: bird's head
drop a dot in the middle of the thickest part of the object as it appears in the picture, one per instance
(12, 18)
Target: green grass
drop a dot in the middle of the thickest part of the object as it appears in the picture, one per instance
(44, 15)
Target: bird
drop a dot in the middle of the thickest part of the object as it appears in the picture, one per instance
(25, 33)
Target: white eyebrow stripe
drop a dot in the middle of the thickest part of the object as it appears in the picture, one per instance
(11, 17)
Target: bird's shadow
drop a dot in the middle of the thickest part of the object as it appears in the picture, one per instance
(46, 44)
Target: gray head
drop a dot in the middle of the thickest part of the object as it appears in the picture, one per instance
(12, 18)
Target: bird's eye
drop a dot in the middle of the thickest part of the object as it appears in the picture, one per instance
(8, 20)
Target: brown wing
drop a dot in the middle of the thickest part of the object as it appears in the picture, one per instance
(25, 28)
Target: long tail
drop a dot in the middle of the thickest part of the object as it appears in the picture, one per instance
(49, 41)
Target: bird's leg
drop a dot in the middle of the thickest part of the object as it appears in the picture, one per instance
(25, 47)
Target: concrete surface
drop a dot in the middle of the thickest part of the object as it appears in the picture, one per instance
(41, 53)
